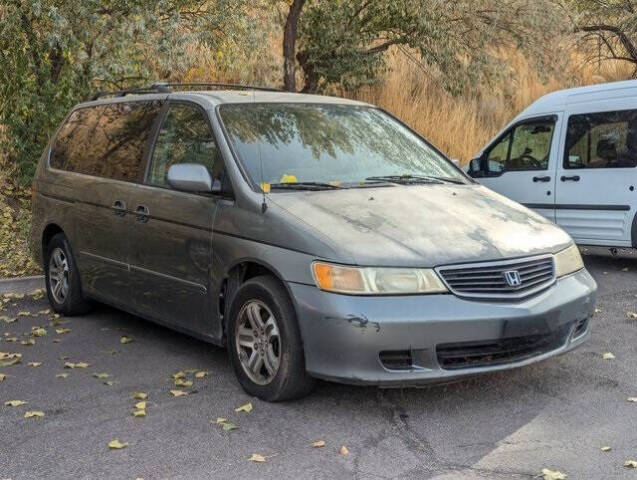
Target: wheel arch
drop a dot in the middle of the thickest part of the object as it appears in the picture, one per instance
(236, 275)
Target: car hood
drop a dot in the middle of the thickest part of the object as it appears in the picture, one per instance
(423, 225)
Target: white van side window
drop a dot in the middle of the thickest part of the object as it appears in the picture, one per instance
(602, 140)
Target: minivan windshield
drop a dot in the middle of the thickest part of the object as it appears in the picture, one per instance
(317, 146)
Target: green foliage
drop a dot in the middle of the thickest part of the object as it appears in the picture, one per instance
(343, 42)
(55, 52)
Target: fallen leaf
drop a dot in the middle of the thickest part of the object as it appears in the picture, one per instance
(8, 363)
(631, 315)
(344, 450)
(625, 269)
(101, 375)
(24, 314)
(44, 312)
(630, 464)
(34, 364)
(244, 408)
(180, 382)
(11, 339)
(140, 396)
(608, 356)
(2, 377)
(33, 413)
(109, 383)
(28, 342)
(62, 375)
(117, 445)
(257, 458)
(125, 340)
(178, 375)
(229, 426)
(139, 413)
(38, 332)
(6, 319)
(14, 403)
(221, 420)
(178, 393)
(605, 449)
(632, 399)
(598, 310)
(318, 444)
(76, 365)
(140, 405)
(553, 474)
(62, 331)
(201, 374)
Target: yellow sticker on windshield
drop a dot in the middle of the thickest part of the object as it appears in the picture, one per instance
(336, 183)
(289, 179)
(265, 187)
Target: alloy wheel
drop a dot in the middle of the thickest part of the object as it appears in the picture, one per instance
(258, 342)
(59, 275)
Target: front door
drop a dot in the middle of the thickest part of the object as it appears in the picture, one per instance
(520, 164)
(597, 177)
(172, 233)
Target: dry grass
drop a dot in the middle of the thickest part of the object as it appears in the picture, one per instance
(461, 125)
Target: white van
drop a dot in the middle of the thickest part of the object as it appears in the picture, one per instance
(572, 156)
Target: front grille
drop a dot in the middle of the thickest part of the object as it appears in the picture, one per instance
(489, 279)
(454, 356)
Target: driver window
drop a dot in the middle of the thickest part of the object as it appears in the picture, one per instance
(526, 147)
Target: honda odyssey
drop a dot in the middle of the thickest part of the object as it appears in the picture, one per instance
(314, 237)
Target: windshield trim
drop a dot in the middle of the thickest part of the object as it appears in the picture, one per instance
(255, 186)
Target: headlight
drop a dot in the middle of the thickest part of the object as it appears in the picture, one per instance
(376, 280)
(568, 261)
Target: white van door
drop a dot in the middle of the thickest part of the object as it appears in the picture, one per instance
(520, 163)
(597, 175)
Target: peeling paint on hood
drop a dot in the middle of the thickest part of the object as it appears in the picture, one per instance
(424, 225)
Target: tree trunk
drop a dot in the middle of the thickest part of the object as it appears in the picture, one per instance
(289, 45)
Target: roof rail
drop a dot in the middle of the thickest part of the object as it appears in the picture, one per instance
(207, 85)
(167, 88)
(131, 91)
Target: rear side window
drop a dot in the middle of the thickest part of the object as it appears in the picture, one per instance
(602, 140)
(184, 137)
(106, 140)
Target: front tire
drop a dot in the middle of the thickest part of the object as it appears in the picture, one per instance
(62, 279)
(264, 342)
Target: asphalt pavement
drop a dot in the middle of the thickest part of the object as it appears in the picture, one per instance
(556, 414)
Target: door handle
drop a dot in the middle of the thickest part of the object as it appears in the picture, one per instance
(542, 179)
(574, 178)
(142, 213)
(119, 208)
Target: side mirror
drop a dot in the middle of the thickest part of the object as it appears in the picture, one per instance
(192, 177)
(475, 168)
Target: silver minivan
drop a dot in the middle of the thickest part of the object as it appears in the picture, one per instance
(315, 237)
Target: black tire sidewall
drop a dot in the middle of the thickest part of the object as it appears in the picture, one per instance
(74, 303)
(291, 380)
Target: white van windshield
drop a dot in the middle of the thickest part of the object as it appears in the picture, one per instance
(339, 145)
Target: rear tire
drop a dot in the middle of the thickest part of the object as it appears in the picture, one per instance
(264, 342)
(62, 279)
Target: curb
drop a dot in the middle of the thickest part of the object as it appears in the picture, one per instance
(21, 284)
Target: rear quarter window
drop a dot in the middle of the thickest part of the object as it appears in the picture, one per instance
(106, 140)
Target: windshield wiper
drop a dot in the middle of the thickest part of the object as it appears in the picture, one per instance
(304, 186)
(405, 179)
(414, 179)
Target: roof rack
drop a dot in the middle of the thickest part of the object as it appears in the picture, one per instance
(167, 88)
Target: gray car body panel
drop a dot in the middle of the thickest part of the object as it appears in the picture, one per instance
(194, 241)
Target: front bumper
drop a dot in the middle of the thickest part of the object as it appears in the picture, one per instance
(344, 336)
